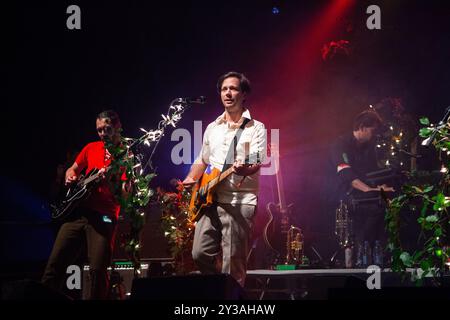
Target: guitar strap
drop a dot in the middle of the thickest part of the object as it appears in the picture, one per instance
(229, 160)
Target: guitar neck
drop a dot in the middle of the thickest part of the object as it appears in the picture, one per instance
(281, 196)
(94, 177)
(220, 178)
(279, 179)
(226, 173)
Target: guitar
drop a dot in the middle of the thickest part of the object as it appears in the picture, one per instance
(75, 193)
(203, 191)
(276, 230)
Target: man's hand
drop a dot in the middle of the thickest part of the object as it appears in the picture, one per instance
(101, 173)
(245, 169)
(71, 174)
(189, 182)
(385, 188)
(71, 177)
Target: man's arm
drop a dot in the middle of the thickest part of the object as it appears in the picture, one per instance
(258, 145)
(72, 174)
(200, 164)
(195, 173)
(358, 184)
(245, 170)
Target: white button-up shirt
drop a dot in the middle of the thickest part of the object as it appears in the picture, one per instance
(216, 142)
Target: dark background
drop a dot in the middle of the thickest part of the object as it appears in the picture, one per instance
(135, 57)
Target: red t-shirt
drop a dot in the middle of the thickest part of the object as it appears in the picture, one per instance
(94, 155)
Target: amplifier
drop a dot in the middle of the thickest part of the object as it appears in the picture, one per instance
(122, 276)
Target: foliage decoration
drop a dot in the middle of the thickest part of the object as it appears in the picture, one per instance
(426, 197)
(137, 194)
(129, 168)
(177, 227)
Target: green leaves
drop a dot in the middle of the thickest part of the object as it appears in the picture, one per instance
(441, 202)
(424, 121)
(425, 132)
(405, 257)
(133, 203)
(433, 217)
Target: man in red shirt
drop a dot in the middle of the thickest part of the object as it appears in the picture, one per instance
(92, 225)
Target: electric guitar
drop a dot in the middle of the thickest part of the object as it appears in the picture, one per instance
(202, 194)
(78, 191)
(276, 230)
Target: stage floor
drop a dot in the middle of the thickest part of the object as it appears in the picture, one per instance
(322, 283)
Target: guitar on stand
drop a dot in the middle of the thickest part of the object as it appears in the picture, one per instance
(284, 240)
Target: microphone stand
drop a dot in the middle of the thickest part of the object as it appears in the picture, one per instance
(441, 124)
(172, 117)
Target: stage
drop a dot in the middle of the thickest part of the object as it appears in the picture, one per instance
(319, 284)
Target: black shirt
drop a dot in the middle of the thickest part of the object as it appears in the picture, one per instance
(351, 160)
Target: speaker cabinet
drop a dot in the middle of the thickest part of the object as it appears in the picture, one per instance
(190, 287)
(122, 276)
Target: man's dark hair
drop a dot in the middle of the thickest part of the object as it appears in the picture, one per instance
(244, 83)
(110, 117)
(367, 119)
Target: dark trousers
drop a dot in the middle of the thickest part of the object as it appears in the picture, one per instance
(368, 223)
(87, 233)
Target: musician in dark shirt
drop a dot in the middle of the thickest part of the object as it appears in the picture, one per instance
(353, 156)
(92, 225)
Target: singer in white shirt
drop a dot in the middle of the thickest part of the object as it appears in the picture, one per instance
(226, 228)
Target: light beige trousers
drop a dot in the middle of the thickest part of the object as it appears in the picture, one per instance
(226, 229)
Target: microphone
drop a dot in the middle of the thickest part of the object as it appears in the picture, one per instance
(190, 100)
